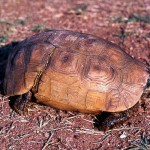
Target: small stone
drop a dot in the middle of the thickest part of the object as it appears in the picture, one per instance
(46, 135)
(123, 135)
(140, 109)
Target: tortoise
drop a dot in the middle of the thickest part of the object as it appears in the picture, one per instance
(73, 71)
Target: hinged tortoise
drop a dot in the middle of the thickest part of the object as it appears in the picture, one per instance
(73, 71)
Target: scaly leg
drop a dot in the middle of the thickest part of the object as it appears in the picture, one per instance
(22, 102)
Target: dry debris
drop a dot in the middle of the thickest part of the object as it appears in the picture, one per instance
(127, 23)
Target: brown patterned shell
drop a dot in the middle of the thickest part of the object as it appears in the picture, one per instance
(75, 71)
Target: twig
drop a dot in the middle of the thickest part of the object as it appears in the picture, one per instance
(3, 99)
(47, 143)
(88, 120)
(55, 129)
(89, 131)
(105, 137)
(118, 129)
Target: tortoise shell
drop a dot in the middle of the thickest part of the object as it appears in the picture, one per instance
(74, 71)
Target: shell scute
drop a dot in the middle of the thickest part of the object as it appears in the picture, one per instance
(99, 70)
(65, 62)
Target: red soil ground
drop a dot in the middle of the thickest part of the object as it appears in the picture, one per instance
(126, 23)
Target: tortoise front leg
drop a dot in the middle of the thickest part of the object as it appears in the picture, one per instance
(21, 103)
